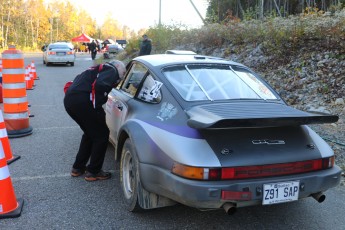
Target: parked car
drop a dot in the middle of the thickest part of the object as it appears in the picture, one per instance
(113, 48)
(210, 133)
(59, 53)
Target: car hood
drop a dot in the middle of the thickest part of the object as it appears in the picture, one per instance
(252, 114)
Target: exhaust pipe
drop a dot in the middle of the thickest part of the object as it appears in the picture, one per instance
(230, 208)
(319, 197)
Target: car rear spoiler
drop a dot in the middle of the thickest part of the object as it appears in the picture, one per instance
(252, 114)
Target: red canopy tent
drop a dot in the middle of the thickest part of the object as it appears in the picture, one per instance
(82, 38)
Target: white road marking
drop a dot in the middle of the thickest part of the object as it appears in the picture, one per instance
(27, 178)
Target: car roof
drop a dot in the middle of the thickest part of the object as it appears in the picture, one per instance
(156, 60)
(179, 52)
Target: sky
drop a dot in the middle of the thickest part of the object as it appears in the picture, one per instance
(138, 14)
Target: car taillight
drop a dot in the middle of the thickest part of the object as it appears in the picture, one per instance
(51, 53)
(246, 172)
(188, 171)
(70, 52)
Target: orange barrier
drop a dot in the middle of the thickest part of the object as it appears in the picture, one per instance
(15, 101)
(10, 207)
(6, 143)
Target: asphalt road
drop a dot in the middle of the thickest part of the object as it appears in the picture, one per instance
(54, 200)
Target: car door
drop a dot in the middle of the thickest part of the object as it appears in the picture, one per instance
(117, 106)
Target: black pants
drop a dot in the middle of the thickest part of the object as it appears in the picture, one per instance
(94, 142)
(93, 54)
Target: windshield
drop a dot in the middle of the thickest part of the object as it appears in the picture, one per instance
(216, 82)
(59, 46)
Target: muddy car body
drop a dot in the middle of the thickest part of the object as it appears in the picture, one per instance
(210, 133)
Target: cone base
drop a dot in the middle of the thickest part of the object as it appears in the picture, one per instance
(13, 159)
(20, 132)
(14, 213)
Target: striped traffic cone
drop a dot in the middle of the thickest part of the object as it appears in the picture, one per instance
(5, 142)
(28, 80)
(33, 70)
(16, 114)
(31, 75)
(10, 207)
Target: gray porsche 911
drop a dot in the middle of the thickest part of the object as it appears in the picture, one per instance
(210, 133)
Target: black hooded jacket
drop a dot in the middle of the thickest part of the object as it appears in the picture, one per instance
(96, 82)
(145, 47)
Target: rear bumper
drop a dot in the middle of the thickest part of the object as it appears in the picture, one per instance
(61, 59)
(207, 194)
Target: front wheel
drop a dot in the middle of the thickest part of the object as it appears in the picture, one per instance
(129, 177)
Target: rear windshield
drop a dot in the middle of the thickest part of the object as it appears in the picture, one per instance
(51, 47)
(216, 82)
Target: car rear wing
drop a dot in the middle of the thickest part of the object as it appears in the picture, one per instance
(252, 114)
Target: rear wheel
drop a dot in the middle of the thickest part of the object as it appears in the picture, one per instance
(72, 63)
(48, 64)
(129, 177)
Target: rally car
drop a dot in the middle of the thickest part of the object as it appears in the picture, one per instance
(210, 133)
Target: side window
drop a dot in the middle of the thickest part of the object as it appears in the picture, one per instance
(134, 78)
(150, 91)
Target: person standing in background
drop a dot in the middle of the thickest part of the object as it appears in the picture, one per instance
(145, 46)
(93, 49)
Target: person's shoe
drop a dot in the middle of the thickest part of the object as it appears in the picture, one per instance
(77, 172)
(101, 175)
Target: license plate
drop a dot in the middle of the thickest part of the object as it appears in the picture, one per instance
(280, 192)
(60, 53)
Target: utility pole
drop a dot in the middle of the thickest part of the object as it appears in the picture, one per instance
(160, 12)
(203, 20)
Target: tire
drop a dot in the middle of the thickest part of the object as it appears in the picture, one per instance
(72, 63)
(129, 177)
(48, 63)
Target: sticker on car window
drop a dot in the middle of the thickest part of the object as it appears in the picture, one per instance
(155, 89)
(150, 90)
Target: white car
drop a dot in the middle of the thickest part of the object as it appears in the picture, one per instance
(59, 53)
(114, 48)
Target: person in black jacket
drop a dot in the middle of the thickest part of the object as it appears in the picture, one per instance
(145, 46)
(83, 102)
(93, 48)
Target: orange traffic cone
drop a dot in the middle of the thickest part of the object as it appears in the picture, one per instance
(28, 80)
(33, 70)
(14, 94)
(10, 207)
(5, 142)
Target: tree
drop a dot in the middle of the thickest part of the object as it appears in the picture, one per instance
(111, 28)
